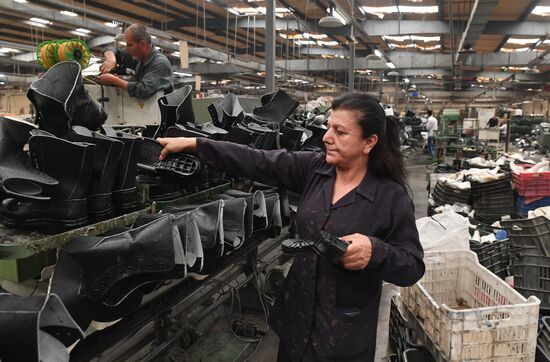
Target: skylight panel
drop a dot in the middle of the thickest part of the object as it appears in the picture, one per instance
(541, 10)
(522, 41)
(418, 9)
(513, 50)
(425, 39)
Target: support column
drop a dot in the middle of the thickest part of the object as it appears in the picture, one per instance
(351, 69)
(270, 47)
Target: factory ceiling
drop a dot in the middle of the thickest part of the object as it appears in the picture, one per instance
(454, 48)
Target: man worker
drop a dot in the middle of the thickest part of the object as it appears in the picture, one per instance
(153, 71)
(431, 127)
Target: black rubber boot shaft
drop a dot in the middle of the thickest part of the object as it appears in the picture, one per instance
(71, 164)
(61, 101)
(17, 176)
(175, 108)
(105, 163)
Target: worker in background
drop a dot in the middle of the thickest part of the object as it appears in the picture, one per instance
(153, 71)
(503, 128)
(493, 122)
(431, 127)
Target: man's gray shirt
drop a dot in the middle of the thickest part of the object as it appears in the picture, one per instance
(151, 75)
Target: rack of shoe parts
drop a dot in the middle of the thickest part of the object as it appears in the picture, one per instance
(100, 242)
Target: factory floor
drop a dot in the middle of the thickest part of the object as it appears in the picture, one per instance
(217, 343)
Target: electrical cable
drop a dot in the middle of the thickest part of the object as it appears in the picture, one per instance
(241, 352)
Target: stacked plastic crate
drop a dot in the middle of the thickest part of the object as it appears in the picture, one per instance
(445, 194)
(533, 190)
(492, 255)
(530, 257)
(543, 341)
(401, 334)
(491, 200)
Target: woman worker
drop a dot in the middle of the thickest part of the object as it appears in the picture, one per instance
(357, 191)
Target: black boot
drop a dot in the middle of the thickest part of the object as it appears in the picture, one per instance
(17, 176)
(254, 136)
(276, 108)
(226, 112)
(315, 142)
(175, 107)
(161, 188)
(291, 137)
(124, 189)
(189, 235)
(33, 328)
(209, 219)
(61, 101)
(71, 164)
(105, 163)
(234, 215)
(94, 269)
(256, 218)
(108, 261)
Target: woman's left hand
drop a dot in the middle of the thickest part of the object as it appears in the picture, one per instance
(359, 252)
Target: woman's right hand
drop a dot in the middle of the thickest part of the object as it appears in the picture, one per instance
(176, 145)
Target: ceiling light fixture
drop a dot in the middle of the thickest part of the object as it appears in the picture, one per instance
(333, 20)
(380, 11)
(532, 70)
(41, 21)
(75, 32)
(112, 24)
(84, 31)
(68, 13)
(182, 74)
(8, 50)
(393, 73)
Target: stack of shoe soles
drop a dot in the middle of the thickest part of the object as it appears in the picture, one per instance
(71, 174)
(64, 183)
(169, 179)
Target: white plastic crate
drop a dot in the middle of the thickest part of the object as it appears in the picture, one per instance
(469, 313)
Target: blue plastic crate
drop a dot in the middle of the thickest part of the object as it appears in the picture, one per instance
(522, 208)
